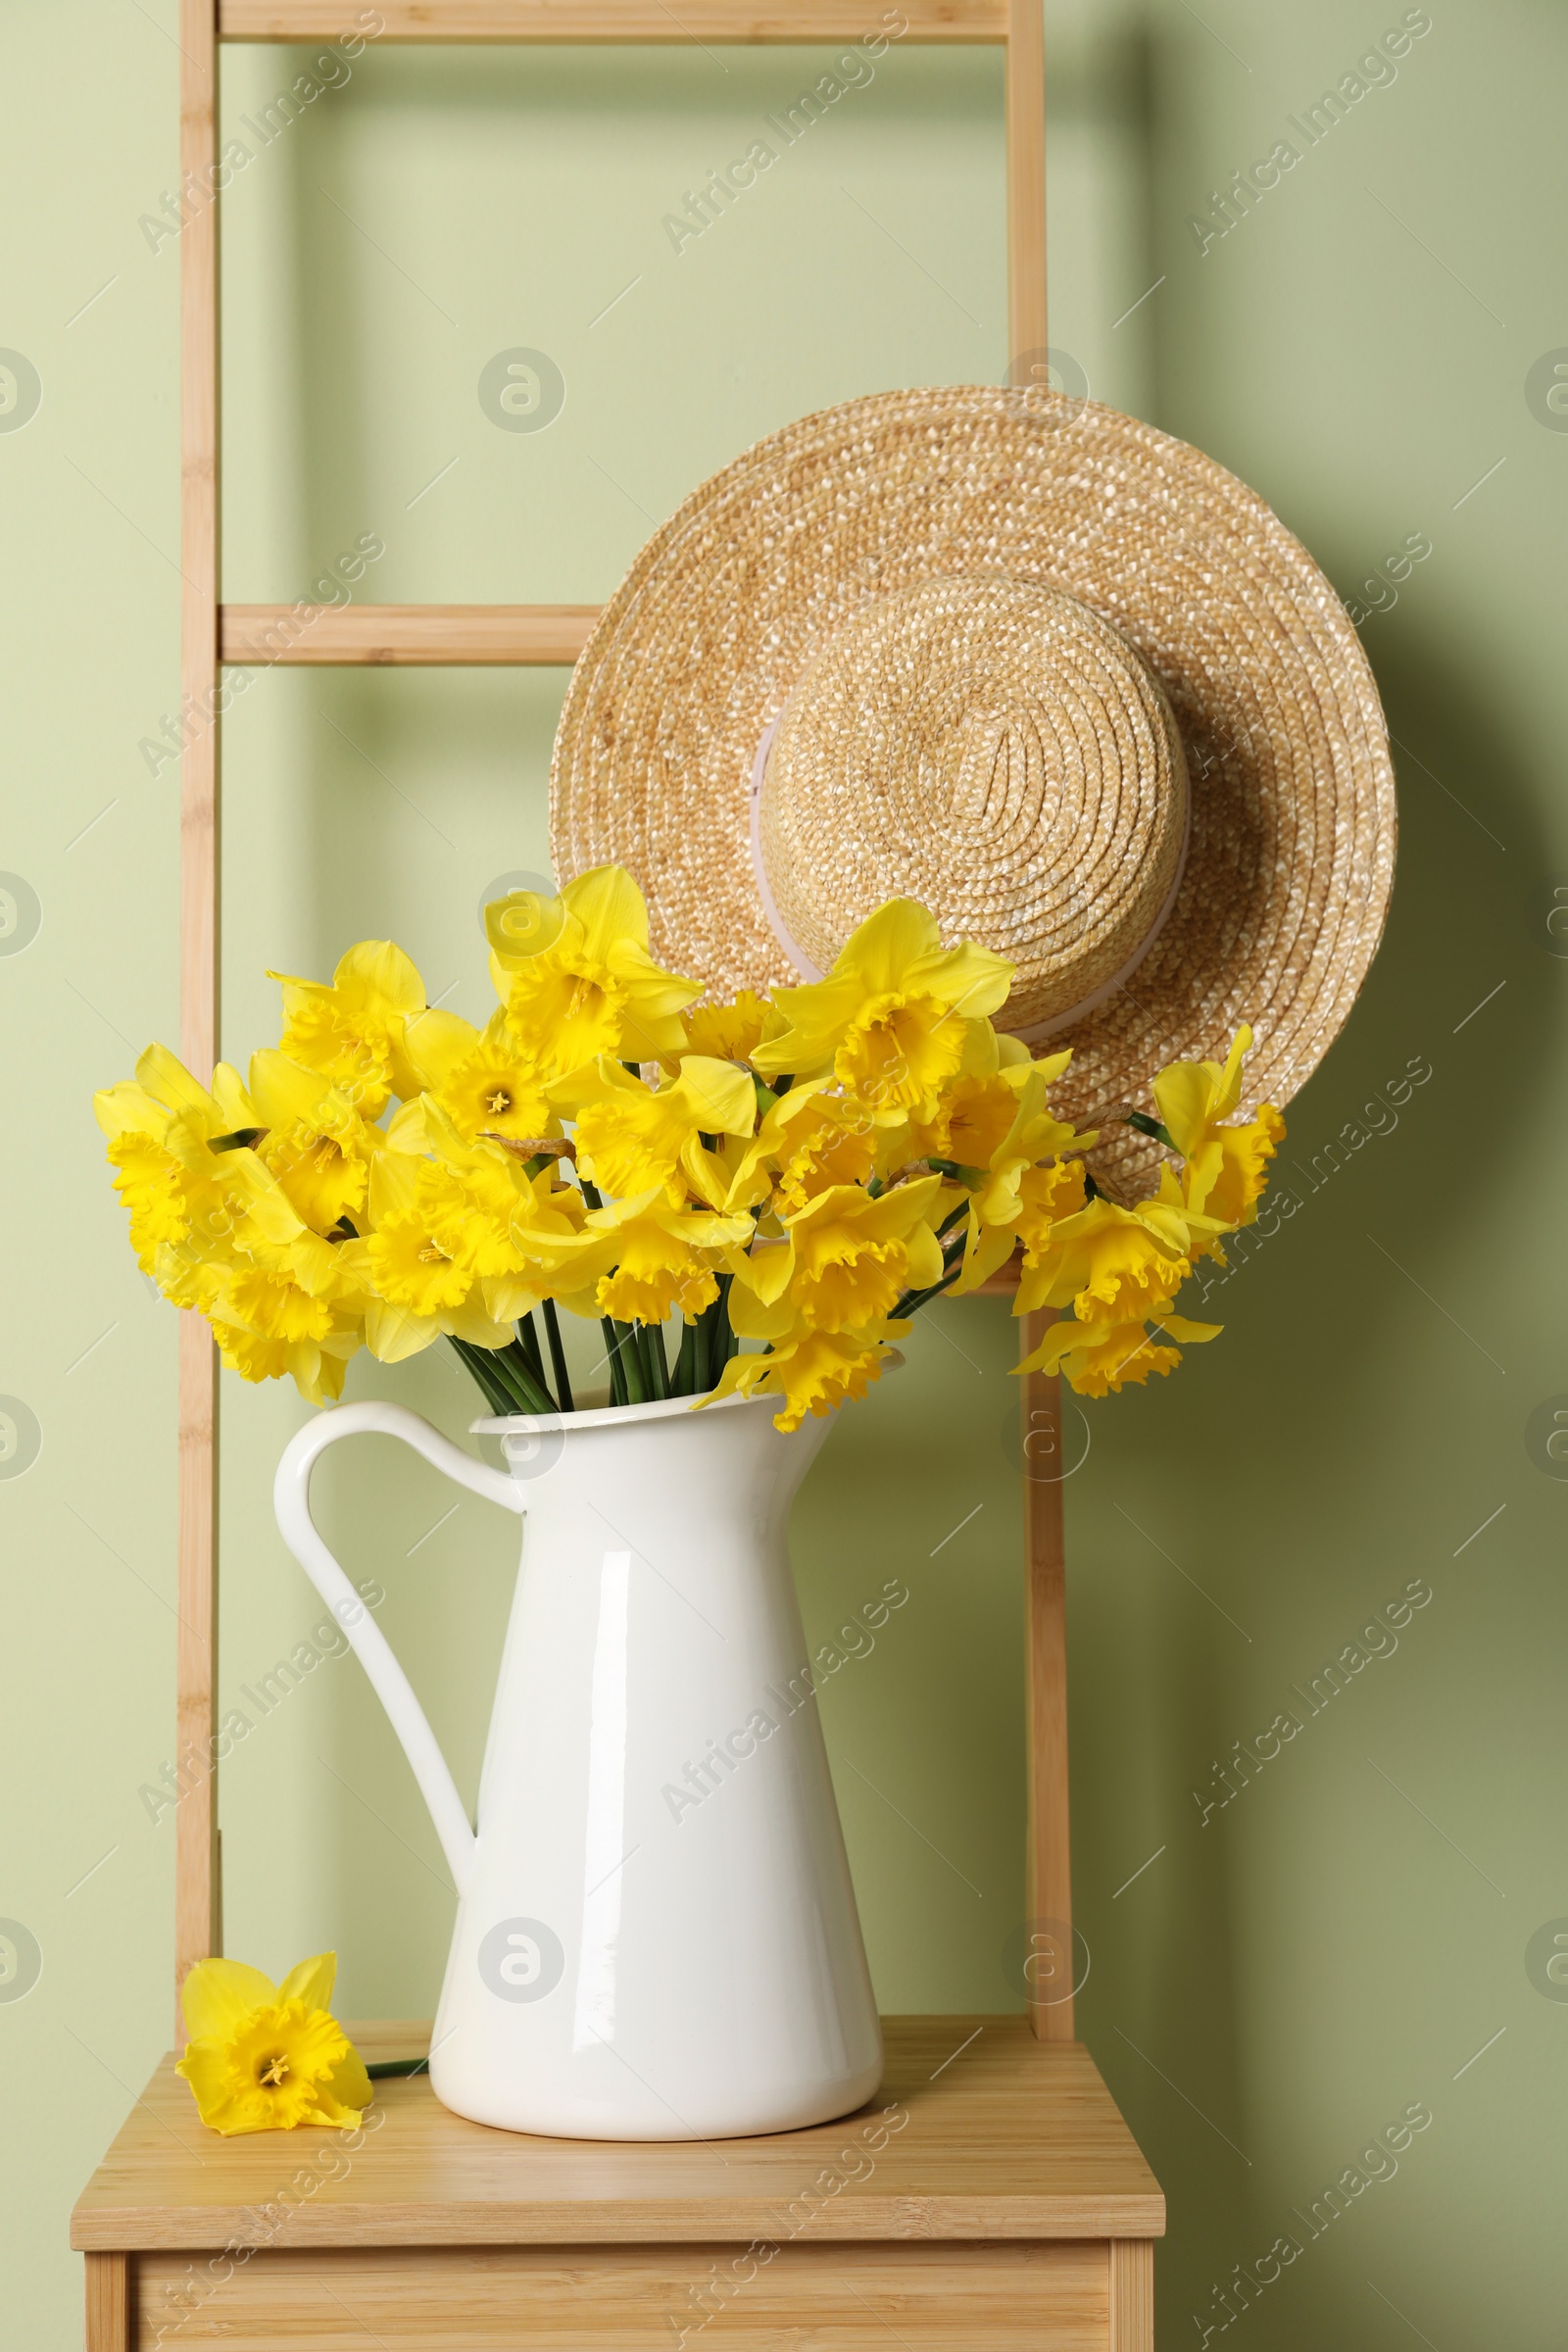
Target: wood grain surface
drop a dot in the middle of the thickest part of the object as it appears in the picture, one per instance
(108, 2315)
(597, 21)
(456, 636)
(1051, 1966)
(1026, 178)
(844, 2298)
(993, 2134)
(197, 1923)
(1132, 2294)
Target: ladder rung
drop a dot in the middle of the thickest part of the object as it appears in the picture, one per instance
(794, 20)
(1003, 1284)
(430, 634)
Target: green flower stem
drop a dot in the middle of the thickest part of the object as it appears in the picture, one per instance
(693, 1348)
(528, 1339)
(657, 1362)
(617, 1371)
(477, 1361)
(627, 1384)
(512, 1367)
(633, 1370)
(912, 1301)
(721, 1341)
(645, 1361)
(502, 1376)
(386, 2070)
(558, 1357)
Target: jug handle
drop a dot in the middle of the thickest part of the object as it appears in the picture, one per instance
(292, 1500)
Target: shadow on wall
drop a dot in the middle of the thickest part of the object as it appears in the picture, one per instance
(1228, 1458)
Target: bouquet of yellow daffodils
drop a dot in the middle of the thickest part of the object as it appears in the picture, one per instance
(792, 1178)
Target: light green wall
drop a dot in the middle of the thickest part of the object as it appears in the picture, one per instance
(1279, 1981)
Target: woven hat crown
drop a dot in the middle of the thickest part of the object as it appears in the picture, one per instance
(990, 747)
(1290, 817)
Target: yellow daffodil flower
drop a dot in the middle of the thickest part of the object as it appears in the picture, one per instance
(266, 2057)
(1029, 1184)
(192, 1184)
(1194, 1096)
(845, 1262)
(351, 1029)
(489, 1082)
(977, 1108)
(661, 1268)
(151, 1182)
(731, 1032)
(1023, 1211)
(294, 1307)
(639, 1260)
(831, 1149)
(422, 1285)
(1232, 1190)
(973, 1118)
(889, 1019)
(813, 1371)
(217, 1230)
(1096, 1358)
(590, 983)
(159, 1130)
(1224, 1165)
(1115, 1262)
(316, 1366)
(482, 1207)
(630, 1136)
(809, 1139)
(316, 1142)
(1101, 1354)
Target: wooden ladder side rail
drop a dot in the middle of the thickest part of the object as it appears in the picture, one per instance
(523, 634)
(1048, 1871)
(1048, 1849)
(1026, 178)
(197, 1919)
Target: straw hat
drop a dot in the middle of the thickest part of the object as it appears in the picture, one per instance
(1055, 674)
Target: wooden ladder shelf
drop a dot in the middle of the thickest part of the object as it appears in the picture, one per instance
(991, 2197)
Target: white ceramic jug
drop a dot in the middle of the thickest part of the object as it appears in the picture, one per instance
(657, 1936)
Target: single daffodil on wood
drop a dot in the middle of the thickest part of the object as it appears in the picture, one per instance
(266, 2057)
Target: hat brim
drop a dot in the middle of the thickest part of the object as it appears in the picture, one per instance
(1290, 857)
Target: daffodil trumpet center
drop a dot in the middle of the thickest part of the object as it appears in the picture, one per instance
(266, 2057)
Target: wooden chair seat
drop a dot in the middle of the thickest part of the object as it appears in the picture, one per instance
(990, 2198)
